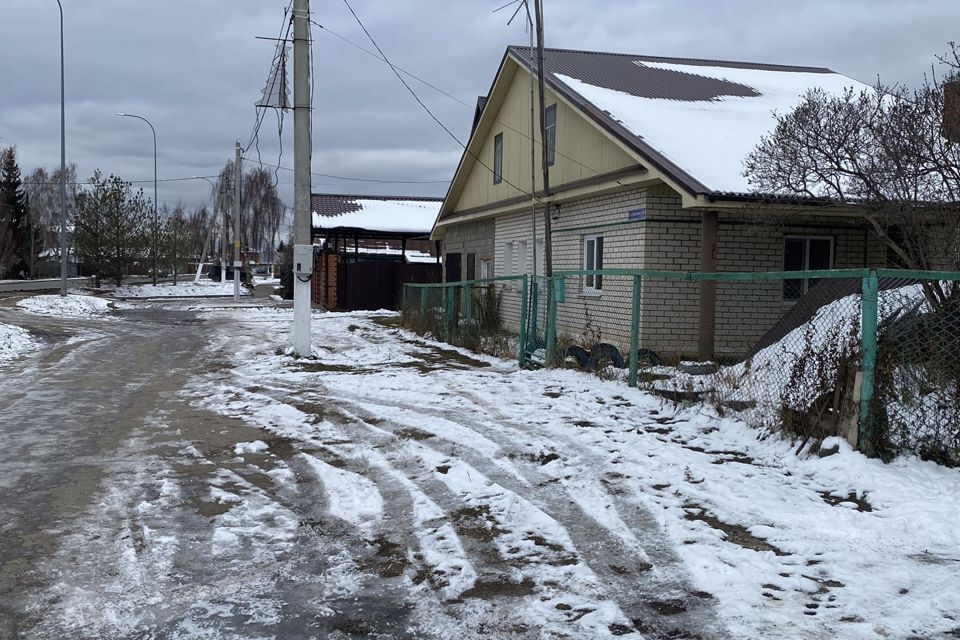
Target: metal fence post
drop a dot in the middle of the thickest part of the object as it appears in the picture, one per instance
(468, 303)
(635, 331)
(403, 304)
(448, 312)
(524, 296)
(423, 302)
(868, 361)
(551, 356)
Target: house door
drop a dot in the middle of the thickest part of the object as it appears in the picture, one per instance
(452, 267)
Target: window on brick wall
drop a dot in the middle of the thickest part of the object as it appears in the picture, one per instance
(508, 268)
(592, 259)
(485, 269)
(498, 158)
(805, 253)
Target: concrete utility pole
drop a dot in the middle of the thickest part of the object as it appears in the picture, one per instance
(303, 251)
(224, 242)
(237, 261)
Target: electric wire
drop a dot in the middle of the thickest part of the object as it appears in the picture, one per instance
(426, 108)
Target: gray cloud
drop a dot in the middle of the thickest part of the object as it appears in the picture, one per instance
(194, 68)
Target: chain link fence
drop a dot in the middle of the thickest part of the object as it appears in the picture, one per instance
(872, 356)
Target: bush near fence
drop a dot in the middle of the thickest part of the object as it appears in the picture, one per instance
(869, 355)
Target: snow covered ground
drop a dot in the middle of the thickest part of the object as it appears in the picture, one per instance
(393, 487)
(185, 289)
(71, 306)
(602, 510)
(14, 342)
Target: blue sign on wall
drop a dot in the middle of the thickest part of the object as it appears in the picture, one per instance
(637, 214)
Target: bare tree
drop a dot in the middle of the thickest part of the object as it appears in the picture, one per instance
(43, 189)
(879, 152)
(264, 210)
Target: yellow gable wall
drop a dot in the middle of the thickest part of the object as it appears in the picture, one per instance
(582, 150)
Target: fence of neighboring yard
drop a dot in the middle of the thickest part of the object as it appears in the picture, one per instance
(870, 354)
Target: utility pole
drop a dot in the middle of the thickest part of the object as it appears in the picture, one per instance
(237, 262)
(547, 224)
(63, 169)
(303, 251)
(224, 246)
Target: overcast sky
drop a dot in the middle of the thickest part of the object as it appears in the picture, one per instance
(195, 69)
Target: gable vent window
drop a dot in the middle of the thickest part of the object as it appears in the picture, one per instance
(550, 126)
(498, 159)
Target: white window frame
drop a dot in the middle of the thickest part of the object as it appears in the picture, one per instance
(508, 267)
(485, 272)
(551, 134)
(521, 258)
(592, 285)
(805, 284)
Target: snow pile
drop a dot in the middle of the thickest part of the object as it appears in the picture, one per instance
(70, 306)
(182, 290)
(710, 139)
(14, 342)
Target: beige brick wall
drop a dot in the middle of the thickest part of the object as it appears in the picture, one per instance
(472, 237)
(667, 239)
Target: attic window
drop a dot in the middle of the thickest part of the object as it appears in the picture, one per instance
(498, 158)
(550, 127)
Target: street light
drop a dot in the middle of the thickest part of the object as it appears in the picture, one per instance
(156, 216)
(63, 169)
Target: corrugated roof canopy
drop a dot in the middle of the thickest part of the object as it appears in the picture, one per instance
(392, 214)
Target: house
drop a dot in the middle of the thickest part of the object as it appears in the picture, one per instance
(369, 246)
(645, 160)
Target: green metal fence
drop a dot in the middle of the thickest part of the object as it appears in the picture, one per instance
(867, 352)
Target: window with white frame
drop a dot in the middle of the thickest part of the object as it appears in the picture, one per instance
(498, 158)
(805, 253)
(521, 257)
(508, 265)
(485, 271)
(550, 127)
(592, 259)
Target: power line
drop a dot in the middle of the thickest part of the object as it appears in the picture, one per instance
(451, 96)
(88, 183)
(425, 107)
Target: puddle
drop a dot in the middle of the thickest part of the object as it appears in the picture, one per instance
(733, 533)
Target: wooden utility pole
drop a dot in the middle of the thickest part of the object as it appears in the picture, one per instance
(303, 258)
(544, 158)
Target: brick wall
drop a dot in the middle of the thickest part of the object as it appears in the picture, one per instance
(666, 238)
(471, 237)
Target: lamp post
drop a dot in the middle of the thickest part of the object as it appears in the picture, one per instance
(63, 169)
(156, 217)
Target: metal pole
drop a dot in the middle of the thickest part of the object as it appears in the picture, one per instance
(156, 215)
(547, 223)
(63, 168)
(868, 363)
(302, 151)
(237, 261)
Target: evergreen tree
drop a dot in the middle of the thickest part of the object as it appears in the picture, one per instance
(14, 215)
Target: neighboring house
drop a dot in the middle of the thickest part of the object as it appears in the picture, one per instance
(646, 159)
(369, 246)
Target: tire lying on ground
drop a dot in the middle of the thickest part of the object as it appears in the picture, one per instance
(649, 358)
(578, 354)
(604, 353)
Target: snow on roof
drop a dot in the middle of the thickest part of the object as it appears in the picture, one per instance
(400, 215)
(411, 256)
(710, 139)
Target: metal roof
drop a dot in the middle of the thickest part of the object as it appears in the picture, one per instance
(392, 214)
(626, 73)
